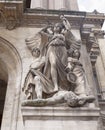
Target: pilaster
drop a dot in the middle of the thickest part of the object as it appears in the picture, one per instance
(100, 64)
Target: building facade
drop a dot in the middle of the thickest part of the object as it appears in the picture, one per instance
(24, 18)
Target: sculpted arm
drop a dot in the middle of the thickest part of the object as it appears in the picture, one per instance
(38, 63)
(65, 22)
(47, 31)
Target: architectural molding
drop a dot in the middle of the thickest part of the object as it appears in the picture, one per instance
(13, 63)
(17, 16)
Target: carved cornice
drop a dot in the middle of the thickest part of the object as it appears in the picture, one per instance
(76, 18)
(42, 20)
(40, 17)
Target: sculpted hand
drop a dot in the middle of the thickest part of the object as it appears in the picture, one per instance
(62, 17)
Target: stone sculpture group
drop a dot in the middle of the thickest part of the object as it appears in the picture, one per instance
(57, 75)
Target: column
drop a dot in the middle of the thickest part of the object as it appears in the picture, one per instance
(73, 5)
(57, 4)
(60, 4)
(100, 75)
(38, 4)
(85, 58)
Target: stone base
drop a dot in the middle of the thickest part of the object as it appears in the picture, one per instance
(60, 118)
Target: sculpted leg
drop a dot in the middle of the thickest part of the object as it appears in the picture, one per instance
(38, 87)
(52, 60)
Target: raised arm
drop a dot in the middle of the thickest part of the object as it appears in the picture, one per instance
(65, 22)
(48, 30)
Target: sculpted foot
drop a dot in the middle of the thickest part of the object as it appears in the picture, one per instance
(56, 89)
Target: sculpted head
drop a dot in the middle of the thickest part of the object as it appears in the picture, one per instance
(36, 52)
(71, 98)
(58, 27)
(76, 54)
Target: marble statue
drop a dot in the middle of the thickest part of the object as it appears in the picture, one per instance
(56, 75)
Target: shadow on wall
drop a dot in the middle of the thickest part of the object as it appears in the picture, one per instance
(27, 3)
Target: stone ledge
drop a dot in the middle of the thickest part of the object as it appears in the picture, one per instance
(60, 118)
(64, 112)
(14, 1)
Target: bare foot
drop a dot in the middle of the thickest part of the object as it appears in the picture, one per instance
(56, 89)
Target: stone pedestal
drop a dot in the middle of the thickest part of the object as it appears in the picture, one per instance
(60, 118)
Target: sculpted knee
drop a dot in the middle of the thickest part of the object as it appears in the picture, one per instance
(37, 78)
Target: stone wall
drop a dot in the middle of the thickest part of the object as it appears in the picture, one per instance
(17, 58)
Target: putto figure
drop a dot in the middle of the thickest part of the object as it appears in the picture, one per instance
(56, 72)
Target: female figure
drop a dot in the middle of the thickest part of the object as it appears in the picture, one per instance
(50, 67)
(56, 56)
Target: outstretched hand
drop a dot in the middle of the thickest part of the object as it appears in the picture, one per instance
(62, 17)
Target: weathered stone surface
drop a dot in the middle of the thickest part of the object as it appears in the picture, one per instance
(60, 118)
(15, 60)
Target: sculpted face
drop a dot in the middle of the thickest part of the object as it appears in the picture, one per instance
(76, 54)
(57, 27)
(36, 52)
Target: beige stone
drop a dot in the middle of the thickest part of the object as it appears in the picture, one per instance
(60, 118)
